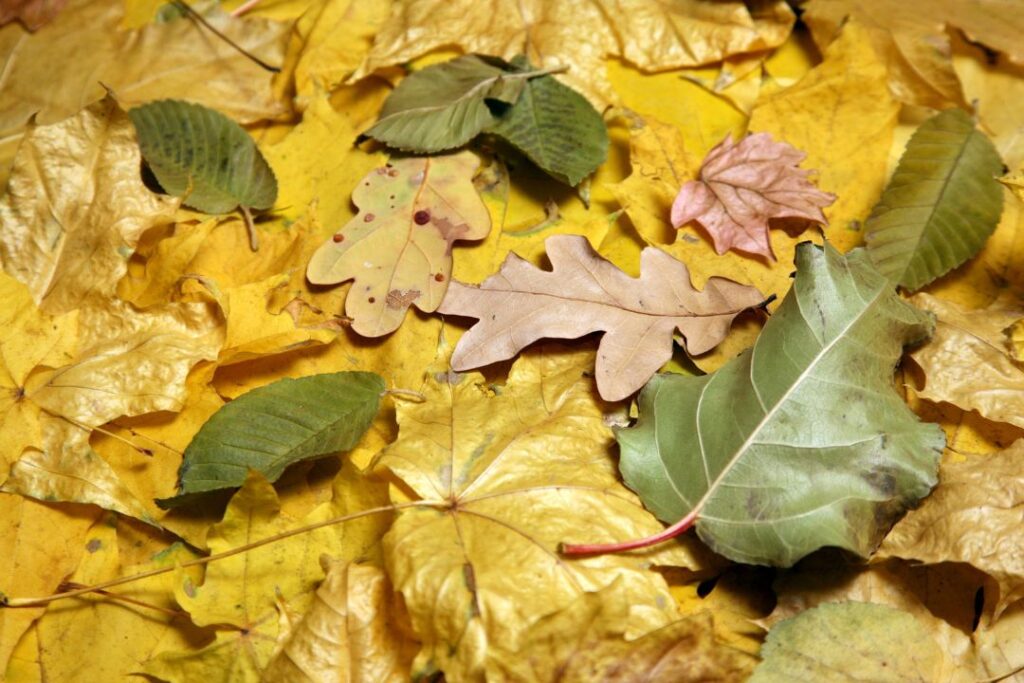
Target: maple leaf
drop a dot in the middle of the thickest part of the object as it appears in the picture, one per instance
(741, 186)
(502, 479)
(398, 248)
(583, 293)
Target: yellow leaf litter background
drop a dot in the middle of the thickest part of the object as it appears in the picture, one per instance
(127, 321)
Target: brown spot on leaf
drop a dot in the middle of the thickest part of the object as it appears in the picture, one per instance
(372, 300)
(368, 218)
(450, 232)
(399, 299)
(439, 277)
(338, 238)
(421, 217)
(93, 545)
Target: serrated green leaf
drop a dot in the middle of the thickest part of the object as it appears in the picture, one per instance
(840, 642)
(445, 105)
(556, 128)
(800, 442)
(269, 428)
(203, 156)
(941, 205)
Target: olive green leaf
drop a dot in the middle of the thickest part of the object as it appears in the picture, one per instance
(801, 441)
(276, 425)
(941, 205)
(203, 156)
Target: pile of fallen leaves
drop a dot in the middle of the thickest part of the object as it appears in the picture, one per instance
(379, 340)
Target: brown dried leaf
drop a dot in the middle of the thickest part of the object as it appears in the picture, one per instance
(742, 186)
(31, 13)
(584, 293)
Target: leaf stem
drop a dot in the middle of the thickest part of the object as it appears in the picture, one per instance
(676, 529)
(254, 240)
(195, 16)
(405, 393)
(6, 602)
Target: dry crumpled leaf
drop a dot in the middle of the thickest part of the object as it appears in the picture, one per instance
(653, 36)
(176, 59)
(973, 516)
(31, 13)
(349, 635)
(742, 186)
(968, 361)
(583, 643)
(584, 293)
(398, 248)
(75, 207)
(501, 479)
(913, 39)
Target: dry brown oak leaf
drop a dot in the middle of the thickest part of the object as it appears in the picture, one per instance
(741, 186)
(398, 248)
(584, 293)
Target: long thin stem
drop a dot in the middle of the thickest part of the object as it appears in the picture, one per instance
(676, 529)
(250, 226)
(195, 16)
(36, 602)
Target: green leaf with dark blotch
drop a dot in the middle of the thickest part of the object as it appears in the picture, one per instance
(274, 426)
(941, 205)
(203, 156)
(556, 128)
(801, 441)
(849, 641)
(446, 105)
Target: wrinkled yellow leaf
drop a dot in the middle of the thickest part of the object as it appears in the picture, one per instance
(349, 635)
(653, 36)
(1000, 646)
(967, 362)
(158, 279)
(994, 87)
(177, 59)
(76, 206)
(506, 476)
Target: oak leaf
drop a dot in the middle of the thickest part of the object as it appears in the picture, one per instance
(499, 479)
(584, 293)
(398, 249)
(742, 186)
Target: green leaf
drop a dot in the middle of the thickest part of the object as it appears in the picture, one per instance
(801, 441)
(941, 205)
(274, 426)
(445, 105)
(840, 642)
(203, 156)
(556, 128)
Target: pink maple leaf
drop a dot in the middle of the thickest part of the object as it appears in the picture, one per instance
(742, 186)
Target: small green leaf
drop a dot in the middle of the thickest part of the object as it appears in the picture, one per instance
(556, 128)
(445, 105)
(203, 156)
(274, 426)
(941, 205)
(800, 442)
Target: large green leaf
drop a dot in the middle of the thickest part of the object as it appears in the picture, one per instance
(801, 441)
(445, 105)
(941, 205)
(274, 426)
(203, 156)
(556, 128)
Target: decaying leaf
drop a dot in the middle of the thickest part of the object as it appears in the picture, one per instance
(940, 206)
(203, 157)
(742, 186)
(32, 13)
(272, 427)
(398, 247)
(969, 361)
(784, 450)
(75, 207)
(830, 642)
(584, 293)
(581, 33)
(501, 479)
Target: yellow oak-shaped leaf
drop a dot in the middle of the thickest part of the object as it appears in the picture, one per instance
(912, 39)
(40, 545)
(583, 642)
(244, 591)
(176, 59)
(581, 33)
(968, 360)
(503, 476)
(398, 248)
(972, 516)
(842, 115)
(76, 206)
(349, 635)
